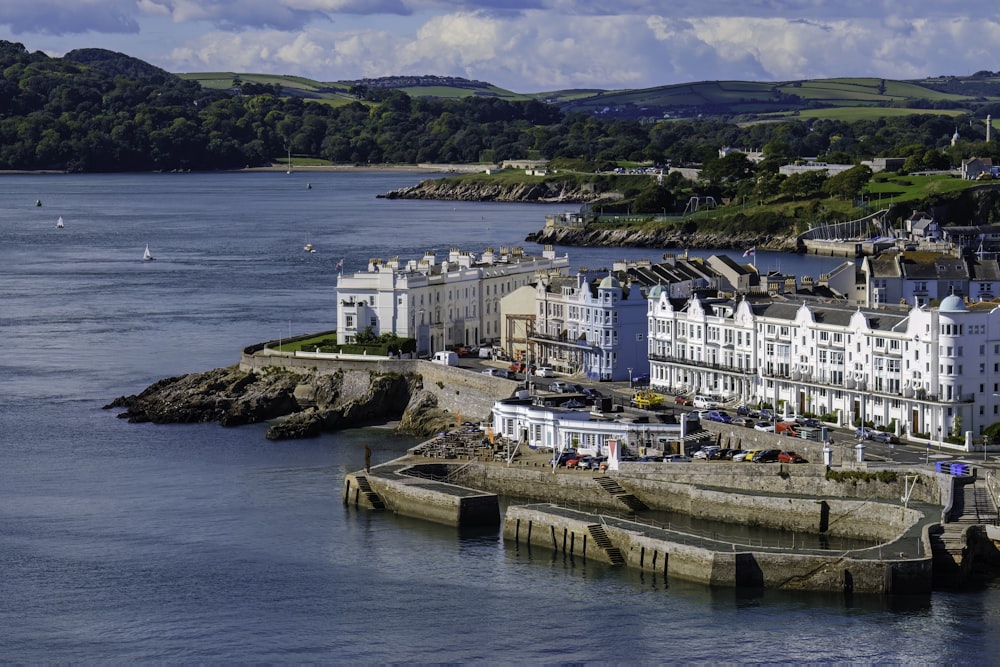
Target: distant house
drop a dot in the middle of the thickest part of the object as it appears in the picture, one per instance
(830, 169)
(921, 226)
(974, 167)
(884, 164)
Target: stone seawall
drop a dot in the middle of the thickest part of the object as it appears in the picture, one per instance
(655, 550)
(457, 390)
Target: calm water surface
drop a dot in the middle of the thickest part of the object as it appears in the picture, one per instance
(142, 543)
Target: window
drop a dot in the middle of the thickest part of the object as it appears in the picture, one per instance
(349, 322)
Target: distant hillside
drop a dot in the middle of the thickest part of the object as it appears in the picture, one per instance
(115, 64)
(743, 100)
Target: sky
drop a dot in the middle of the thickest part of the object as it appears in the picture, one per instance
(526, 46)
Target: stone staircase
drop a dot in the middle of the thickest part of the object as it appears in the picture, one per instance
(949, 541)
(370, 493)
(602, 540)
(620, 494)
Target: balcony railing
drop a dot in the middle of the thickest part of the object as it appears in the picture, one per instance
(743, 370)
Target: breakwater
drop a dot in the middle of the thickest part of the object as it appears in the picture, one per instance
(592, 515)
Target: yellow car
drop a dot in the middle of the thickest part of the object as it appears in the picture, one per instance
(646, 399)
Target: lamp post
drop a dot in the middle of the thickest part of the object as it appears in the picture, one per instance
(986, 444)
(630, 378)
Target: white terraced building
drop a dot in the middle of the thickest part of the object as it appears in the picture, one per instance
(924, 371)
(440, 304)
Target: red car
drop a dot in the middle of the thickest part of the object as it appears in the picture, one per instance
(790, 457)
(682, 400)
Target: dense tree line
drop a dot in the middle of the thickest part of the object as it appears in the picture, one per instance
(94, 110)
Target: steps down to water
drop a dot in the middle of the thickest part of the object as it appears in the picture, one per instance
(601, 539)
(373, 497)
(950, 542)
(616, 490)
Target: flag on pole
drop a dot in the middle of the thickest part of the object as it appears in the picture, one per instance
(750, 251)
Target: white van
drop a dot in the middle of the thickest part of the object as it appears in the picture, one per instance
(705, 402)
(446, 357)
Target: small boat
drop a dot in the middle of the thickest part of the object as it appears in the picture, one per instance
(308, 247)
(147, 256)
(59, 223)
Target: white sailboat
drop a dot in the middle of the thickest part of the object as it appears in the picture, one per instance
(308, 247)
(147, 256)
(59, 223)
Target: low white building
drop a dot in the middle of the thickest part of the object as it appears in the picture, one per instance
(536, 425)
(440, 304)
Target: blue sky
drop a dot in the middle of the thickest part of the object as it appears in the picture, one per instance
(526, 45)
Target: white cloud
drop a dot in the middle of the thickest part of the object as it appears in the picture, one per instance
(524, 45)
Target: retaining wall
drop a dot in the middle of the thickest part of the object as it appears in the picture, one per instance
(457, 389)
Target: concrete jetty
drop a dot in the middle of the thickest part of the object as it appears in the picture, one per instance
(601, 516)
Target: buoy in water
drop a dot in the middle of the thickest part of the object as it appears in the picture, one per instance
(38, 202)
(309, 186)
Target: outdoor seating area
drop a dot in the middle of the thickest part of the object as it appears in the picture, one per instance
(469, 442)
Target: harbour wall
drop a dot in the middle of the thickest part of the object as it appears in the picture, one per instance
(643, 548)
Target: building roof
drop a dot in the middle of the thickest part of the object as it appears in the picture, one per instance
(952, 304)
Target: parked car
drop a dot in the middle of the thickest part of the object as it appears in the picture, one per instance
(748, 422)
(810, 422)
(790, 457)
(766, 414)
(640, 380)
(884, 437)
(682, 400)
(705, 402)
(490, 371)
(563, 457)
(745, 456)
(764, 426)
(744, 410)
(766, 456)
(588, 463)
(545, 372)
(720, 416)
(676, 458)
(559, 387)
(591, 393)
(863, 432)
(705, 452)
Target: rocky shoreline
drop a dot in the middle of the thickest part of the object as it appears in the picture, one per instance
(298, 404)
(562, 192)
(666, 238)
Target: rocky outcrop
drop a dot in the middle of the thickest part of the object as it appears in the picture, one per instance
(664, 238)
(549, 191)
(300, 404)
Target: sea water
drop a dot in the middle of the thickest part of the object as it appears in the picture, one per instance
(196, 543)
